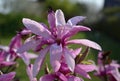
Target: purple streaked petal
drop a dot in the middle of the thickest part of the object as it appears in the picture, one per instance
(87, 68)
(82, 72)
(75, 20)
(60, 19)
(5, 63)
(39, 61)
(49, 77)
(32, 56)
(29, 70)
(115, 73)
(7, 77)
(25, 58)
(55, 56)
(51, 20)
(61, 76)
(69, 59)
(74, 78)
(5, 48)
(28, 45)
(75, 30)
(85, 42)
(113, 70)
(15, 42)
(36, 28)
(25, 32)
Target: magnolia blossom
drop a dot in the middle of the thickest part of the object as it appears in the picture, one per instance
(55, 40)
(8, 54)
(64, 73)
(108, 71)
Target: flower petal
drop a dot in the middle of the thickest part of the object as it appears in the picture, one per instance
(59, 16)
(25, 57)
(28, 45)
(5, 48)
(16, 42)
(39, 61)
(36, 28)
(61, 76)
(49, 77)
(74, 78)
(75, 30)
(7, 77)
(55, 56)
(81, 71)
(75, 20)
(114, 73)
(69, 59)
(32, 56)
(29, 70)
(87, 68)
(5, 63)
(51, 19)
(86, 43)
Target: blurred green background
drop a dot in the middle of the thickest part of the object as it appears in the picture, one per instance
(103, 18)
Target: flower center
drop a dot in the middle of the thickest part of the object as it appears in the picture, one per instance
(58, 41)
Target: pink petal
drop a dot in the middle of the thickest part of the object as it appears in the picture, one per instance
(29, 72)
(5, 63)
(25, 32)
(69, 59)
(87, 68)
(28, 45)
(115, 73)
(75, 30)
(75, 20)
(59, 16)
(32, 56)
(7, 77)
(55, 56)
(48, 77)
(39, 61)
(61, 76)
(86, 43)
(82, 72)
(25, 58)
(51, 20)
(5, 48)
(36, 28)
(15, 42)
(113, 70)
(74, 78)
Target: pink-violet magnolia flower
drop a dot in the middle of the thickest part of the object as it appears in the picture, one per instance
(108, 71)
(8, 54)
(80, 68)
(56, 38)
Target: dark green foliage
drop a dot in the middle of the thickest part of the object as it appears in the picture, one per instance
(11, 23)
(69, 9)
(110, 22)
